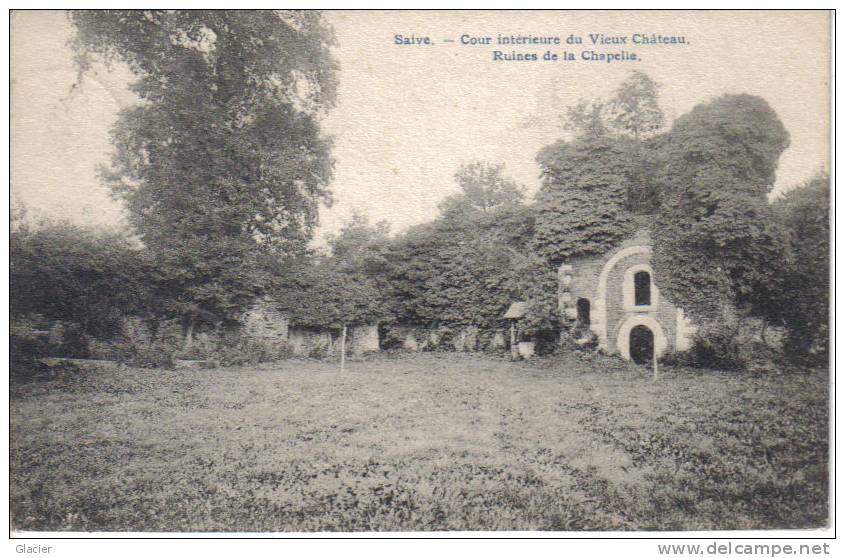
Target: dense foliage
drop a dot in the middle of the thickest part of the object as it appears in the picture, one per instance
(581, 207)
(715, 241)
(484, 188)
(467, 267)
(634, 110)
(343, 288)
(804, 213)
(223, 164)
(445, 274)
(65, 273)
(595, 182)
(223, 158)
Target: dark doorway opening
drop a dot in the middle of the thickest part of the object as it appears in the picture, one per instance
(583, 306)
(641, 344)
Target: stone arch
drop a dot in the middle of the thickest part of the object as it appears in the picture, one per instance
(599, 317)
(624, 336)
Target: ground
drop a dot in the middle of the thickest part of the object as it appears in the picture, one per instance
(419, 442)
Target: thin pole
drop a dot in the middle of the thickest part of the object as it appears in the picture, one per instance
(513, 339)
(343, 350)
(654, 358)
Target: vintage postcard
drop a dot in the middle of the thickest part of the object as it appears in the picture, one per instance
(413, 272)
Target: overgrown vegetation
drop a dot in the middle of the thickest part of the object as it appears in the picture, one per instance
(804, 214)
(722, 252)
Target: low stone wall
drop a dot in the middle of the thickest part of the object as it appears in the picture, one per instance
(266, 324)
(322, 342)
(464, 339)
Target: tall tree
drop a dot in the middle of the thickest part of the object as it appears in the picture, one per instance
(224, 156)
(358, 245)
(586, 119)
(345, 288)
(595, 183)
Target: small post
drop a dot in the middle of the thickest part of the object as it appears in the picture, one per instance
(343, 349)
(654, 358)
(513, 339)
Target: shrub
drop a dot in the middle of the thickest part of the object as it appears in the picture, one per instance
(74, 274)
(237, 350)
(391, 337)
(147, 345)
(545, 342)
(24, 352)
(68, 340)
(318, 351)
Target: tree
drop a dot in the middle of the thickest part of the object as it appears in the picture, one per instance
(804, 212)
(634, 110)
(483, 188)
(466, 272)
(359, 245)
(224, 158)
(586, 119)
(594, 184)
(716, 247)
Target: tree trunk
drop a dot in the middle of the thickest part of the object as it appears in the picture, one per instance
(343, 349)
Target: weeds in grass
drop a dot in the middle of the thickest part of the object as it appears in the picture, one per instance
(419, 442)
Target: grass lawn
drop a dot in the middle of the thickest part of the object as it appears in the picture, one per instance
(419, 442)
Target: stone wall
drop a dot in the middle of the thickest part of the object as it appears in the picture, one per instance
(266, 324)
(461, 339)
(363, 339)
(263, 322)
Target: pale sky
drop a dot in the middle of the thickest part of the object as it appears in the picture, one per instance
(408, 116)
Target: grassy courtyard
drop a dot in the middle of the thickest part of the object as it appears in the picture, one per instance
(419, 442)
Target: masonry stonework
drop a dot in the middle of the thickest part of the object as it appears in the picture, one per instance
(605, 286)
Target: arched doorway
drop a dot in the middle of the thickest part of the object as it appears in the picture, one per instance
(641, 344)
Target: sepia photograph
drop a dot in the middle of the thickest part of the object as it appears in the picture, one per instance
(283, 272)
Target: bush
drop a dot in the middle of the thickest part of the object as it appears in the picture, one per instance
(73, 274)
(236, 350)
(68, 340)
(732, 345)
(146, 345)
(24, 352)
(391, 337)
(546, 342)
